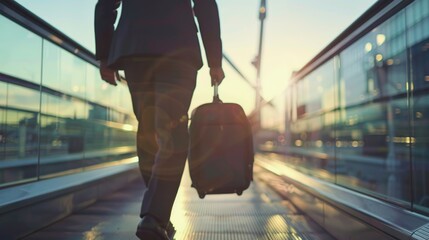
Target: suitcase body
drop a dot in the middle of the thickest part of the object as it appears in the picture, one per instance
(221, 152)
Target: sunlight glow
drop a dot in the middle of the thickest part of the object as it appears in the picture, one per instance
(368, 47)
(419, 115)
(265, 198)
(406, 140)
(380, 38)
(128, 127)
(94, 233)
(276, 223)
(56, 39)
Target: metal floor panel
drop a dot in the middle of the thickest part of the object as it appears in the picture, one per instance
(241, 236)
(234, 209)
(259, 213)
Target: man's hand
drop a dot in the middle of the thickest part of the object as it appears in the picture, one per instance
(217, 75)
(107, 74)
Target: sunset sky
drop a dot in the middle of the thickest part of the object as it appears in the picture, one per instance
(295, 31)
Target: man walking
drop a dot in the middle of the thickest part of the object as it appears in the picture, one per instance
(156, 44)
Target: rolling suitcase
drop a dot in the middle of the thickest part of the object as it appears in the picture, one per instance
(221, 148)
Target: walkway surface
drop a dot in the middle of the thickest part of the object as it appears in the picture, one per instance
(258, 214)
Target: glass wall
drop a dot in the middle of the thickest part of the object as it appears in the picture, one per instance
(312, 125)
(418, 44)
(361, 119)
(56, 115)
(373, 116)
(20, 46)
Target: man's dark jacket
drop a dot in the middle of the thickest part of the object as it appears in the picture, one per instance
(157, 28)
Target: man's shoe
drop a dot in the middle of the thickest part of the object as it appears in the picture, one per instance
(150, 229)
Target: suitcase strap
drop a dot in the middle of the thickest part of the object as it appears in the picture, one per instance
(216, 98)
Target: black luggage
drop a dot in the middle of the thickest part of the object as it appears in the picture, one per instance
(221, 148)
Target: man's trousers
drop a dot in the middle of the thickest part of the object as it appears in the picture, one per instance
(161, 91)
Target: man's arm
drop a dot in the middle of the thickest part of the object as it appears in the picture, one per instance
(105, 17)
(207, 14)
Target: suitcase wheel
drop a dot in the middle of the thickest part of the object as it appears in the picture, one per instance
(239, 193)
(201, 194)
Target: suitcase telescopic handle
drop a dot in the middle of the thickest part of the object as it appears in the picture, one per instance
(216, 89)
(216, 98)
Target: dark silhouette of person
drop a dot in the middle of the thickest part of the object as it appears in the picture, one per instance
(156, 44)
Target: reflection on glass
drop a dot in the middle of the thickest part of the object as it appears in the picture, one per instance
(310, 133)
(62, 134)
(362, 119)
(420, 152)
(419, 45)
(63, 71)
(373, 150)
(51, 65)
(20, 51)
(20, 135)
(124, 103)
(93, 79)
(75, 120)
(371, 136)
(3, 101)
(23, 98)
(77, 134)
(72, 78)
(72, 139)
(378, 60)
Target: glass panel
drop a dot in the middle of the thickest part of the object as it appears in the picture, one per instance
(373, 149)
(310, 122)
(373, 133)
(59, 13)
(420, 114)
(125, 104)
(101, 133)
(122, 137)
(63, 71)
(3, 107)
(20, 51)
(425, 8)
(273, 124)
(21, 135)
(51, 66)
(108, 104)
(62, 134)
(92, 77)
(378, 60)
(73, 71)
(420, 151)
(103, 94)
(74, 133)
